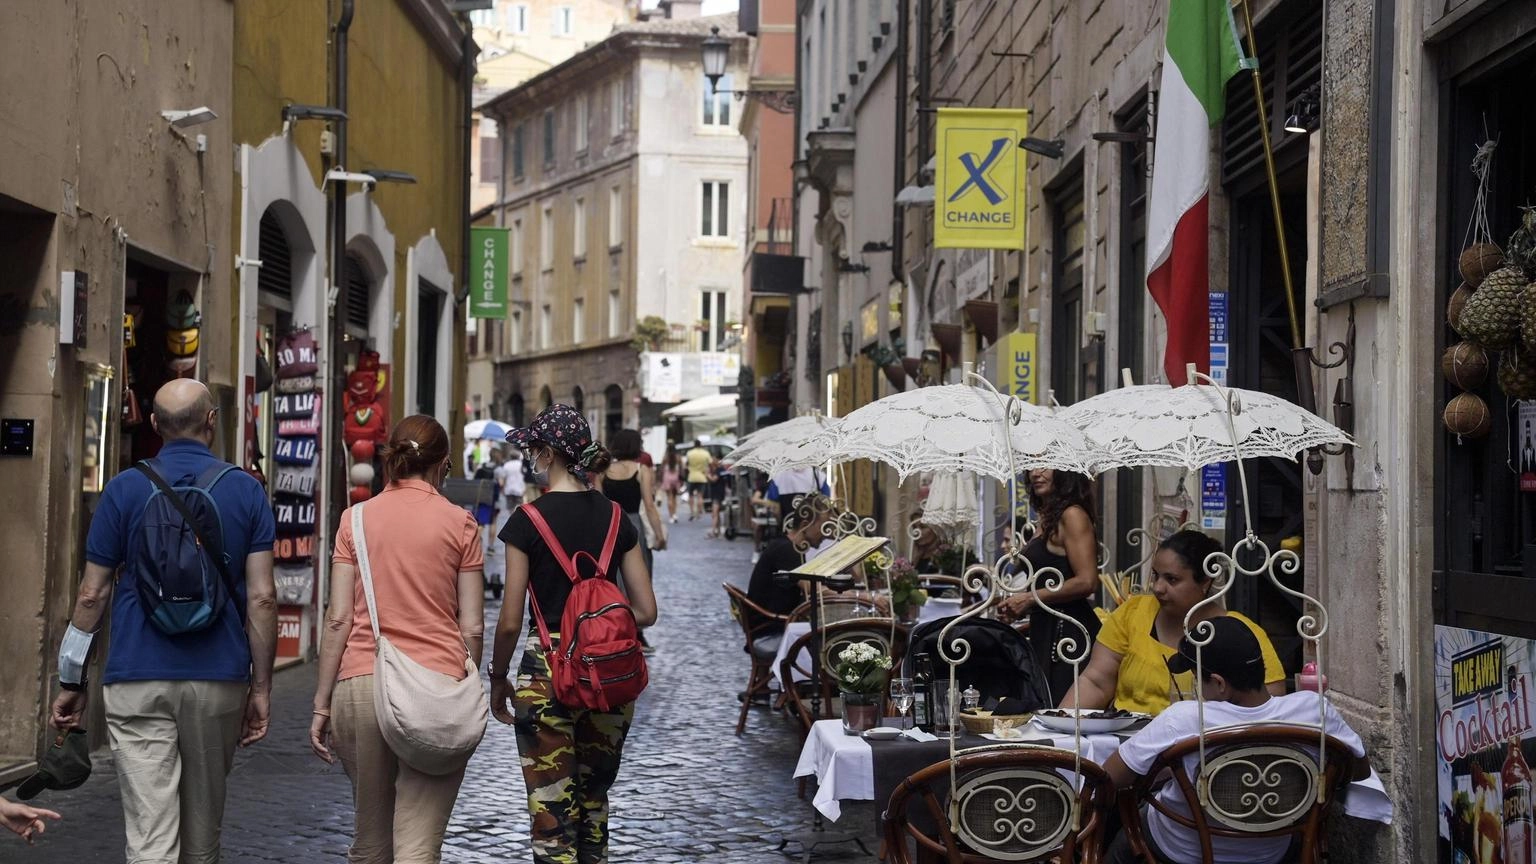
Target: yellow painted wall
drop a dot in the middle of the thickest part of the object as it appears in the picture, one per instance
(404, 108)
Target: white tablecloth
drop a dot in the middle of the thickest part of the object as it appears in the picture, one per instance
(844, 768)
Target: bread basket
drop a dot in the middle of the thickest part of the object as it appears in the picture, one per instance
(980, 721)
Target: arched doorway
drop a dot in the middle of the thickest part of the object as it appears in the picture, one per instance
(613, 400)
(579, 401)
(545, 397)
(515, 410)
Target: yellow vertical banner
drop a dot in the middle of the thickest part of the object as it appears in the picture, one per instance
(1016, 374)
(861, 498)
(979, 173)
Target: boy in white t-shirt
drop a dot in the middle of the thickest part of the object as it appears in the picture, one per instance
(1234, 692)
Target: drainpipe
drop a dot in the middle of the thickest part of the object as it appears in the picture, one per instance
(898, 211)
(467, 81)
(339, 190)
(325, 328)
(924, 77)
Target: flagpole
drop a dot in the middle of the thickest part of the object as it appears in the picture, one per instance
(1274, 183)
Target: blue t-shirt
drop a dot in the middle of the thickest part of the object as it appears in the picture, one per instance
(137, 651)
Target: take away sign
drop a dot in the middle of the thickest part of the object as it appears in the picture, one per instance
(488, 276)
(979, 178)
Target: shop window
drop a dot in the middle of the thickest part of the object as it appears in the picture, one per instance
(1485, 526)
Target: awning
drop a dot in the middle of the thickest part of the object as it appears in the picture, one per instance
(719, 405)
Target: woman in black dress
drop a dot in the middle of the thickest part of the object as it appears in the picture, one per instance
(1067, 542)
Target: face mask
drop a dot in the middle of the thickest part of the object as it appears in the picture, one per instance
(540, 475)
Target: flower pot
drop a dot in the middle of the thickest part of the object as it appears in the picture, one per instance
(861, 711)
(908, 613)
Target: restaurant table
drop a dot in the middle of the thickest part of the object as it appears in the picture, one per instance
(844, 766)
(935, 608)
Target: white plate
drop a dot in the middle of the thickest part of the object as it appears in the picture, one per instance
(1091, 726)
(882, 733)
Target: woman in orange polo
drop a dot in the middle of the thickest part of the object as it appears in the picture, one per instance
(426, 558)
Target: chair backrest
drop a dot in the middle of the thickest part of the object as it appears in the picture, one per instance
(742, 610)
(843, 607)
(1012, 803)
(796, 665)
(1262, 781)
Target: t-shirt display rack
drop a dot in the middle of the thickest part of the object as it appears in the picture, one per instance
(296, 406)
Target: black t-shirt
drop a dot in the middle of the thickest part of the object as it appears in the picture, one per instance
(766, 591)
(580, 521)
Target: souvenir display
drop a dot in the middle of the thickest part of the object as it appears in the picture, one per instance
(297, 354)
(298, 450)
(295, 583)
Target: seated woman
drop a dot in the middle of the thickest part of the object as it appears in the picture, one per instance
(1128, 666)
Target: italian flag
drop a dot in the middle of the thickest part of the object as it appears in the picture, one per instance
(1201, 55)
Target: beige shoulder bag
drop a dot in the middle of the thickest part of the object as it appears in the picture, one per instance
(431, 721)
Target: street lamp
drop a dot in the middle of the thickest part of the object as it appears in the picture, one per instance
(1050, 148)
(189, 117)
(717, 53)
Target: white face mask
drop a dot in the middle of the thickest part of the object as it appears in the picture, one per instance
(540, 475)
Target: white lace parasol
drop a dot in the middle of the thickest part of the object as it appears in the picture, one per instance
(952, 504)
(1187, 427)
(782, 446)
(956, 427)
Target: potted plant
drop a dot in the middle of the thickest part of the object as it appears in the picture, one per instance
(861, 672)
(907, 594)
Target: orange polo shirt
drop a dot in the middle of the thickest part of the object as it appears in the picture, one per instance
(418, 543)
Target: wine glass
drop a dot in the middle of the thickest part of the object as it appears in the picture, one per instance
(901, 698)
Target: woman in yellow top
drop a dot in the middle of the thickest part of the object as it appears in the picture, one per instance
(1129, 662)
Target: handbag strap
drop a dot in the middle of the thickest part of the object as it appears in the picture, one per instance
(360, 546)
(564, 559)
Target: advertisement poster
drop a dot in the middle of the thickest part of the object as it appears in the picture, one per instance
(664, 380)
(1483, 737)
(290, 629)
(979, 178)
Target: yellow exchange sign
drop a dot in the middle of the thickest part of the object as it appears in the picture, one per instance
(979, 177)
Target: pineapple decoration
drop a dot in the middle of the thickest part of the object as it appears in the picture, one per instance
(1517, 374)
(1493, 314)
(1522, 259)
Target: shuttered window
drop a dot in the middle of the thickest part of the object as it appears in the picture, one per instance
(276, 273)
(358, 292)
(1290, 61)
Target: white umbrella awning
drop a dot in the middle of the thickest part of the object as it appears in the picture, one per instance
(722, 405)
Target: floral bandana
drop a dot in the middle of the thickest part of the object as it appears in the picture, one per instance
(563, 429)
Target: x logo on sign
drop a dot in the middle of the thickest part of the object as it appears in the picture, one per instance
(976, 175)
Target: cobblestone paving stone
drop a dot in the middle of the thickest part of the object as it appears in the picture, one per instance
(689, 790)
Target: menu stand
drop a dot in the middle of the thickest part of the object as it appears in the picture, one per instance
(843, 555)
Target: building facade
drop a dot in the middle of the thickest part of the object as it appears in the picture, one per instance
(622, 195)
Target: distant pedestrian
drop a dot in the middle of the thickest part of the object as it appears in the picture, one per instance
(717, 490)
(570, 755)
(512, 479)
(697, 463)
(671, 479)
(185, 681)
(631, 485)
(425, 559)
(26, 822)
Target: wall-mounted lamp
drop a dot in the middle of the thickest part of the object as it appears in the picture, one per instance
(847, 341)
(877, 246)
(337, 175)
(384, 175)
(1122, 137)
(1305, 110)
(312, 112)
(1343, 394)
(846, 266)
(1050, 148)
(190, 117)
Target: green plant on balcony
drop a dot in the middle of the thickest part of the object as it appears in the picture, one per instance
(650, 333)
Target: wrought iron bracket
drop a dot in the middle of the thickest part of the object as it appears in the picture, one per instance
(1343, 393)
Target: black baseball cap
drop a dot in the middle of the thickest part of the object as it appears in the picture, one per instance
(1232, 649)
(66, 765)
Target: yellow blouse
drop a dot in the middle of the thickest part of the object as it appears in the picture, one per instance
(1144, 683)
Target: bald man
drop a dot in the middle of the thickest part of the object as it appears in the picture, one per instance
(176, 705)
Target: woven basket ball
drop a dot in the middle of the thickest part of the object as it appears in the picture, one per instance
(1466, 416)
(1453, 309)
(1465, 364)
(1478, 260)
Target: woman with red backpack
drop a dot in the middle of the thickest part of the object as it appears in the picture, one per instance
(582, 666)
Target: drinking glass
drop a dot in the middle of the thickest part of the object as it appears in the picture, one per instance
(946, 709)
(901, 698)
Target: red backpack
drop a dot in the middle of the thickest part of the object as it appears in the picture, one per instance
(598, 664)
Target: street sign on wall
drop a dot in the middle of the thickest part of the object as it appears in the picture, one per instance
(488, 274)
(979, 178)
(1016, 374)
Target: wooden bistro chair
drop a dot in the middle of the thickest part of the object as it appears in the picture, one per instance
(1014, 802)
(762, 631)
(836, 636)
(1263, 780)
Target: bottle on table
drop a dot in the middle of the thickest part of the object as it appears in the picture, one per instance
(922, 692)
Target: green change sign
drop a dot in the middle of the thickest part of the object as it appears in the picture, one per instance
(488, 274)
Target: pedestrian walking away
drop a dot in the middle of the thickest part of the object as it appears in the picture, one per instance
(631, 485)
(185, 680)
(424, 562)
(671, 479)
(570, 753)
(696, 465)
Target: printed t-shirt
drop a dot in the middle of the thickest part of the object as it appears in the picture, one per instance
(418, 542)
(1180, 723)
(765, 590)
(136, 649)
(580, 521)
(698, 460)
(1144, 683)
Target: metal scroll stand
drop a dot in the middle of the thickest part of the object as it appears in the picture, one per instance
(810, 841)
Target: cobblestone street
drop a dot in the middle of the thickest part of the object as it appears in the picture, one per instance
(689, 789)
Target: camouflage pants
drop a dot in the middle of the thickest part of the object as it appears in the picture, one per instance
(570, 758)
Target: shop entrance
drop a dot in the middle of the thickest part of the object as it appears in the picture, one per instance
(162, 331)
